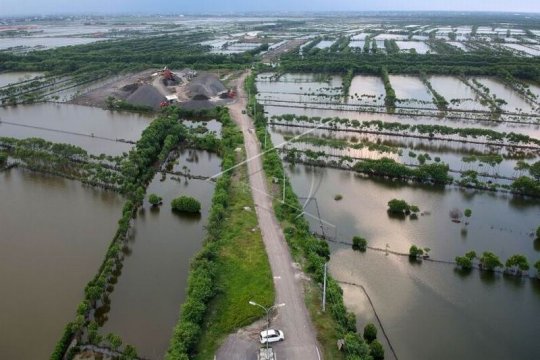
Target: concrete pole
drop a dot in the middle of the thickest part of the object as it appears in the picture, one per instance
(324, 289)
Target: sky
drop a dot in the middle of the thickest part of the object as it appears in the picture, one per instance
(26, 7)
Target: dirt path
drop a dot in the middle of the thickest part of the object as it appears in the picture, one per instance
(293, 318)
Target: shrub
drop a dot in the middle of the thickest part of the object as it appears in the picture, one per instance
(464, 262)
(376, 350)
(415, 252)
(154, 200)
(490, 261)
(3, 158)
(359, 243)
(396, 206)
(467, 212)
(338, 197)
(370, 333)
(186, 204)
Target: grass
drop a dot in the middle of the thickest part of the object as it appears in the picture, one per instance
(244, 272)
(324, 323)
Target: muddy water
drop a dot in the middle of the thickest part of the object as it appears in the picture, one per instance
(53, 236)
(500, 223)
(146, 301)
(82, 120)
(429, 310)
(527, 129)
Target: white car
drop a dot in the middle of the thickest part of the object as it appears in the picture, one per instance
(271, 336)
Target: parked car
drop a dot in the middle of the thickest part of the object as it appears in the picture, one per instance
(271, 336)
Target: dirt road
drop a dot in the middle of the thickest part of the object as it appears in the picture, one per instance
(293, 318)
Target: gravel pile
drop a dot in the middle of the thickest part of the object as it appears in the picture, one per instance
(146, 95)
(205, 86)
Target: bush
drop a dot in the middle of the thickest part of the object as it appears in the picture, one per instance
(396, 206)
(415, 252)
(538, 233)
(154, 200)
(3, 158)
(370, 333)
(359, 243)
(490, 261)
(338, 197)
(186, 204)
(464, 262)
(376, 350)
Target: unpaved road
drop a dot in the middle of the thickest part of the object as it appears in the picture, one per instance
(293, 318)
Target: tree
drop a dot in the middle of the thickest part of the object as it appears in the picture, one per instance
(537, 267)
(370, 333)
(376, 350)
(464, 262)
(517, 263)
(359, 243)
(490, 261)
(467, 213)
(538, 233)
(114, 340)
(186, 204)
(130, 353)
(93, 335)
(154, 199)
(396, 206)
(3, 158)
(534, 170)
(415, 252)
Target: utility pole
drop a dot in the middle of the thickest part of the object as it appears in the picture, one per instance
(283, 200)
(324, 289)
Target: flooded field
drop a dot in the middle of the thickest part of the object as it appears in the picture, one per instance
(47, 257)
(515, 103)
(418, 46)
(526, 129)
(459, 95)
(435, 302)
(409, 88)
(431, 311)
(44, 42)
(366, 90)
(155, 271)
(15, 77)
(93, 129)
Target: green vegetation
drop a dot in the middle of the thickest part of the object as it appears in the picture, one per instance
(415, 252)
(370, 333)
(490, 261)
(390, 98)
(517, 263)
(359, 243)
(3, 158)
(401, 207)
(217, 278)
(338, 197)
(376, 350)
(436, 173)
(466, 262)
(154, 199)
(186, 204)
(243, 271)
(467, 213)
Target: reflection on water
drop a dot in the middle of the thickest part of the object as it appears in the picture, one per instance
(53, 236)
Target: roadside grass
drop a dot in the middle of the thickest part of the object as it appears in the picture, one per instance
(244, 272)
(324, 323)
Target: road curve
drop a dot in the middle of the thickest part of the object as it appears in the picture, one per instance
(293, 318)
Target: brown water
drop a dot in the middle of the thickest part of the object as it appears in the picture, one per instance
(82, 120)
(146, 301)
(430, 311)
(53, 237)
